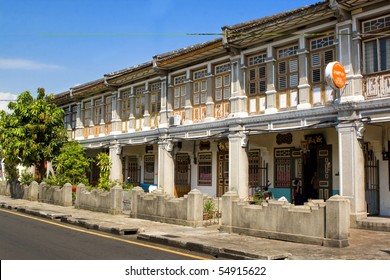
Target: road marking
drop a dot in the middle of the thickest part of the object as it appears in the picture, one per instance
(103, 235)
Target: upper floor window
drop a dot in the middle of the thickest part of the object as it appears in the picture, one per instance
(87, 113)
(200, 87)
(257, 74)
(66, 117)
(375, 25)
(321, 53)
(155, 98)
(222, 90)
(179, 98)
(73, 116)
(98, 111)
(125, 104)
(287, 67)
(139, 101)
(108, 109)
(376, 47)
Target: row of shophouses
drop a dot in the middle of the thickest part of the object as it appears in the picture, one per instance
(253, 109)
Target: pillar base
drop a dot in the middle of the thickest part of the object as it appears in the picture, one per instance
(355, 217)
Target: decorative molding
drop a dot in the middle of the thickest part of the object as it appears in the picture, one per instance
(284, 138)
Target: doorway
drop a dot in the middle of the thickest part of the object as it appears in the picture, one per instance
(182, 175)
(223, 173)
(371, 178)
(317, 172)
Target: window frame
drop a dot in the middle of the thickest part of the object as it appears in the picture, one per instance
(372, 30)
(222, 99)
(155, 99)
(322, 51)
(258, 78)
(125, 104)
(289, 72)
(139, 101)
(73, 116)
(199, 94)
(149, 162)
(108, 109)
(87, 113)
(179, 92)
(377, 59)
(97, 110)
(205, 162)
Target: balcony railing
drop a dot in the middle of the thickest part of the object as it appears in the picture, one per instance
(377, 86)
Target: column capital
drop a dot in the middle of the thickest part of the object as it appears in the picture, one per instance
(240, 136)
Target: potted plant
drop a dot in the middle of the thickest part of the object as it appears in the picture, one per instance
(208, 209)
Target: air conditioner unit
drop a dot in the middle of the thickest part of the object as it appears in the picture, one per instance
(174, 120)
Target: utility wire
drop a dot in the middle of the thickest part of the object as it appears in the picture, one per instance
(228, 34)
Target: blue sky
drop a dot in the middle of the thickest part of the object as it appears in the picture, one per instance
(57, 44)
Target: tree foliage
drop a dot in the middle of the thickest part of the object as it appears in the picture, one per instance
(71, 165)
(33, 132)
(104, 163)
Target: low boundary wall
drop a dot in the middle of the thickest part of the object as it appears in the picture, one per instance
(43, 193)
(317, 222)
(99, 200)
(4, 189)
(52, 194)
(115, 201)
(157, 206)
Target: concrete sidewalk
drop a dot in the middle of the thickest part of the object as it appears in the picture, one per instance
(364, 244)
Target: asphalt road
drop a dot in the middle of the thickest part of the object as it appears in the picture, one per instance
(24, 237)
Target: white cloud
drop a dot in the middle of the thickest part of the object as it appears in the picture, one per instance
(5, 98)
(25, 64)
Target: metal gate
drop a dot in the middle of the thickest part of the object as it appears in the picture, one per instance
(258, 172)
(371, 174)
(182, 175)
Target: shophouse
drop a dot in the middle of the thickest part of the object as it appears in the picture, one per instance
(252, 109)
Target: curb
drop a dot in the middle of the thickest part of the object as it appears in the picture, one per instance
(166, 239)
(209, 249)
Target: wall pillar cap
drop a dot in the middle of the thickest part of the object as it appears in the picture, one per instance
(195, 191)
(337, 197)
(231, 193)
(138, 189)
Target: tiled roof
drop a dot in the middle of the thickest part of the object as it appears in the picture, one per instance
(129, 70)
(175, 53)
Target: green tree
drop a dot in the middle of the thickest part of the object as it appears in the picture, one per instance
(33, 132)
(104, 163)
(71, 165)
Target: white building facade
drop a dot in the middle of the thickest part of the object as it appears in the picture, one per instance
(253, 109)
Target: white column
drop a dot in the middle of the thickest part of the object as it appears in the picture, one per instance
(102, 131)
(146, 124)
(189, 92)
(116, 160)
(131, 127)
(238, 97)
(164, 103)
(166, 167)
(79, 123)
(351, 164)
(345, 56)
(271, 91)
(238, 164)
(115, 118)
(303, 87)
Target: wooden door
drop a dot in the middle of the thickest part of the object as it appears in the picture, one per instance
(324, 171)
(223, 173)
